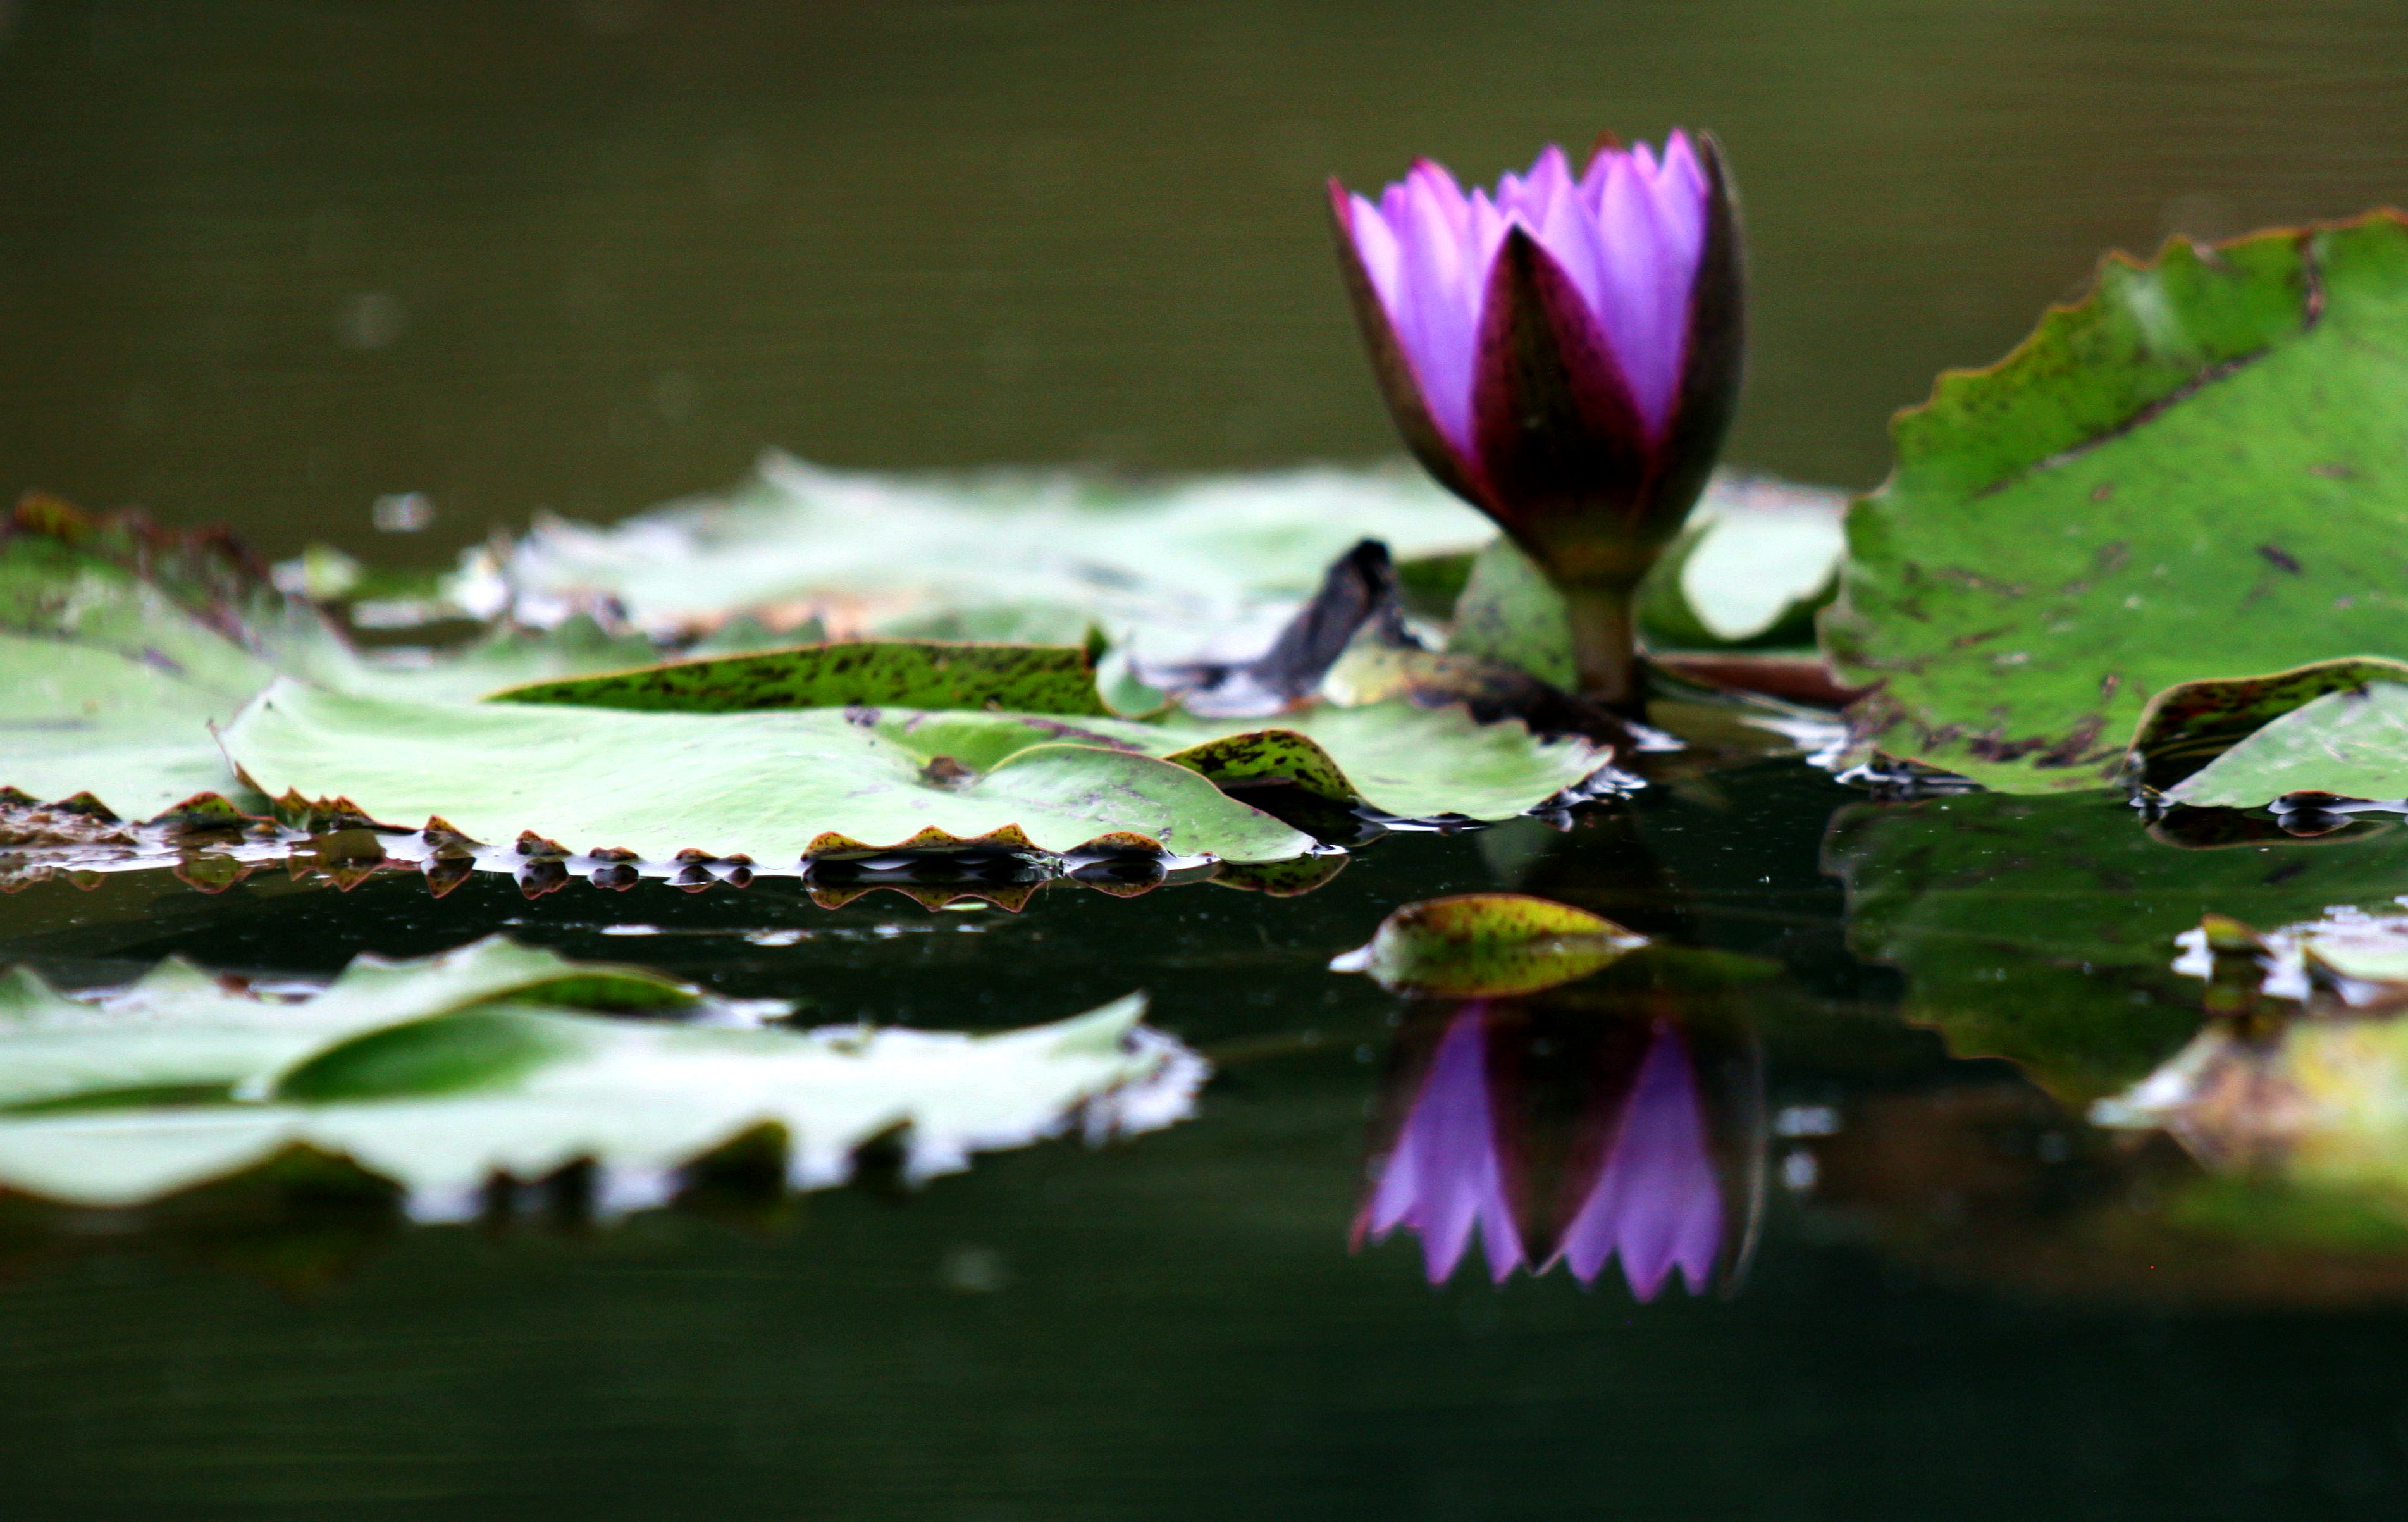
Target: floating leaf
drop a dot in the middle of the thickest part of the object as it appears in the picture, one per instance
(2194, 473)
(443, 1103)
(2352, 743)
(108, 684)
(1025, 679)
(1478, 944)
(772, 787)
(1180, 557)
(2191, 723)
(1417, 763)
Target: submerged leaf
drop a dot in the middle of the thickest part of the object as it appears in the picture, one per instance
(1025, 679)
(2194, 473)
(1480, 944)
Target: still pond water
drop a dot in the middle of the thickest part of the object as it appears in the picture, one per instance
(265, 263)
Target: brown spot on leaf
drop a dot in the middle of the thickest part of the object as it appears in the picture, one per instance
(2275, 556)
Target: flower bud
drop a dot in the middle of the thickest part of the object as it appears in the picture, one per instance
(1564, 354)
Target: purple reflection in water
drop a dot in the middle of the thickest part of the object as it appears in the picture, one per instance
(1655, 1202)
(1654, 1198)
(1445, 1174)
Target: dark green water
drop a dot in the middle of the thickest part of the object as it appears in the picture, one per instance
(266, 261)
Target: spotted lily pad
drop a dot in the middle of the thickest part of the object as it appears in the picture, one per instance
(1480, 944)
(2194, 473)
(442, 1093)
(900, 674)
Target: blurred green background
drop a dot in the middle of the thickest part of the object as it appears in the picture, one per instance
(264, 262)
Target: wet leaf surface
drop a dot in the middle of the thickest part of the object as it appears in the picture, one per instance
(2190, 475)
(2351, 743)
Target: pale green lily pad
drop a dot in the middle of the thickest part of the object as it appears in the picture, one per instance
(2352, 742)
(774, 786)
(442, 1102)
(2194, 473)
(1031, 552)
(1420, 763)
(107, 685)
(1484, 944)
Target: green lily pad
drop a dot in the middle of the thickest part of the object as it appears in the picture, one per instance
(2043, 929)
(1040, 556)
(1414, 763)
(1482, 945)
(2191, 723)
(1025, 679)
(774, 786)
(471, 1088)
(2194, 473)
(2353, 742)
(109, 685)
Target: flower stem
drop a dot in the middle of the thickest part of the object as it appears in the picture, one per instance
(1605, 649)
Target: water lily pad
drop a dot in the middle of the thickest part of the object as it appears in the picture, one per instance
(1418, 763)
(1480, 944)
(2352, 742)
(109, 685)
(772, 787)
(2191, 723)
(1025, 679)
(443, 1103)
(2193, 473)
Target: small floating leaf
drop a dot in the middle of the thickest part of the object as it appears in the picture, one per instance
(1486, 943)
(2352, 743)
(2192, 723)
(2193, 473)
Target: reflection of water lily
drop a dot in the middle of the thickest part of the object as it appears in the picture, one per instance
(1626, 1170)
(1563, 353)
(1655, 1202)
(1445, 1175)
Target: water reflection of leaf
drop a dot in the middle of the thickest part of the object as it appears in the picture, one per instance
(2043, 929)
(442, 1076)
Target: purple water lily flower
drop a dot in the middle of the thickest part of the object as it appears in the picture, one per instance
(1563, 353)
(1446, 1176)
(1656, 1202)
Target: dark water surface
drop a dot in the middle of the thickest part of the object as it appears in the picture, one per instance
(266, 261)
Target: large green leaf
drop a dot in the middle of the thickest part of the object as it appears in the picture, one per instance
(2045, 928)
(2194, 473)
(773, 786)
(441, 1076)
